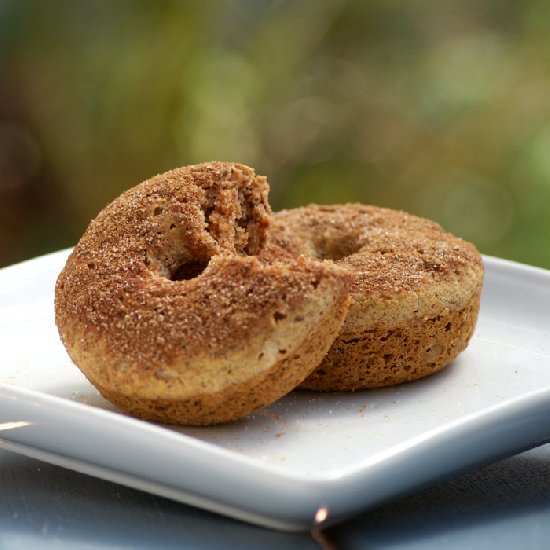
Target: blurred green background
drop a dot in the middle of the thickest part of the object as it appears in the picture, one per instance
(438, 108)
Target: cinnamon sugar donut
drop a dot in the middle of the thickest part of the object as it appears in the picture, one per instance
(414, 296)
(167, 309)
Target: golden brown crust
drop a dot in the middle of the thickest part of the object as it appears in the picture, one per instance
(162, 298)
(238, 400)
(407, 272)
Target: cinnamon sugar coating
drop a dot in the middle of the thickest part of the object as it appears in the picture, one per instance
(164, 300)
(414, 295)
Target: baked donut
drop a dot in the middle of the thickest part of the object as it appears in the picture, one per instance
(167, 309)
(414, 296)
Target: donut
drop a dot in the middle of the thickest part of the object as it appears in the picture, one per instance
(414, 296)
(168, 307)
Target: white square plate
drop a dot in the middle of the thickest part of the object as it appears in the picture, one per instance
(309, 457)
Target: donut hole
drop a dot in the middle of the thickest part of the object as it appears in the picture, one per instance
(189, 270)
(336, 247)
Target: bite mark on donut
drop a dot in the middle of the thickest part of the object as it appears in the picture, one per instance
(232, 202)
(236, 211)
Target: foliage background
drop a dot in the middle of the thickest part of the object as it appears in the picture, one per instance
(438, 108)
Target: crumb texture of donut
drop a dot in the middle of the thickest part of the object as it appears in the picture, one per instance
(168, 307)
(414, 297)
(385, 356)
